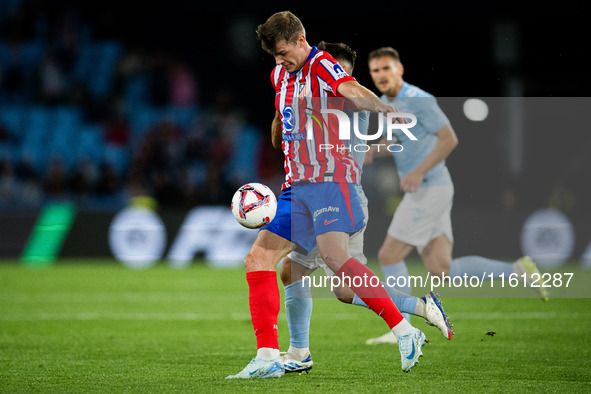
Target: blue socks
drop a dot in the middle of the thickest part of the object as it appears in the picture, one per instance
(298, 307)
(397, 270)
(476, 266)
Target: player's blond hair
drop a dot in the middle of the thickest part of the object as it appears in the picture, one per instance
(280, 26)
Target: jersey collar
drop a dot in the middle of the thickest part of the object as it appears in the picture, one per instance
(401, 92)
(310, 56)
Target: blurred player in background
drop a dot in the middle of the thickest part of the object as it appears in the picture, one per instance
(322, 181)
(298, 298)
(423, 218)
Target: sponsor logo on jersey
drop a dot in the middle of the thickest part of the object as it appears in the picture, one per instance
(339, 71)
(288, 119)
(325, 210)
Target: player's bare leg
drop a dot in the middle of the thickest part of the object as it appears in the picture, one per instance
(393, 251)
(260, 263)
(267, 251)
(437, 255)
(292, 272)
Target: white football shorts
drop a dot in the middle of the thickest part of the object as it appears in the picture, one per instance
(423, 216)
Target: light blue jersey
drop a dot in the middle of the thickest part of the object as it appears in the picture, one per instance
(359, 157)
(363, 125)
(430, 119)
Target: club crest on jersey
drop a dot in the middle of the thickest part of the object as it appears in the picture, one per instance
(303, 90)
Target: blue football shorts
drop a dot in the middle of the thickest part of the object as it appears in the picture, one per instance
(307, 210)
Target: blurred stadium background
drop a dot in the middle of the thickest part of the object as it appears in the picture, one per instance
(105, 104)
(166, 105)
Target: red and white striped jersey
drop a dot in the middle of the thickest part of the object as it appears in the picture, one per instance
(299, 98)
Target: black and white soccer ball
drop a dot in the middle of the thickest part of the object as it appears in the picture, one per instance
(254, 205)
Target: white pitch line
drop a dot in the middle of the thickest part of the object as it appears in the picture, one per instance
(517, 315)
(133, 316)
(112, 316)
(102, 297)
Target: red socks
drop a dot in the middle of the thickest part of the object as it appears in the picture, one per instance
(264, 303)
(368, 287)
(264, 299)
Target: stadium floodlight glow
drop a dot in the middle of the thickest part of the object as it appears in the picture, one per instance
(475, 109)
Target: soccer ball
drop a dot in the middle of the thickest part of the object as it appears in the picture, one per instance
(254, 205)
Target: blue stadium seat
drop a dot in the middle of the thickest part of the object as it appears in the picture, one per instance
(243, 164)
(118, 156)
(7, 151)
(185, 116)
(136, 91)
(64, 133)
(91, 143)
(35, 141)
(65, 125)
(13, 118)
(38, 155)
(33, 51)
(37, 124)
(141, 118)
(105, 56)
(84, 63)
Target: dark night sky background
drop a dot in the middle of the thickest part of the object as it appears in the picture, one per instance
(449, 49)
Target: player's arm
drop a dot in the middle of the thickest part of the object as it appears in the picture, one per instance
(362, 97)
(446, 142)
(276, 133)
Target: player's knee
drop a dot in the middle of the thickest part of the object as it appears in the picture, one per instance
(255, 262)
(285, 273)
(383, 256)
(387, 256)
(439, 268)
(332, 261)
(250, 261)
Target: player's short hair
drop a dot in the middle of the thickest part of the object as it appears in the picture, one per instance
(384, 51)
(340, 51)
(282, 25)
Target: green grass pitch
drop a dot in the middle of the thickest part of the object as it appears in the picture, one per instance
(95, 326)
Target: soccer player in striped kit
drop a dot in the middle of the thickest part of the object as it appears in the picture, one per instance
(321, 206)
(296, 266)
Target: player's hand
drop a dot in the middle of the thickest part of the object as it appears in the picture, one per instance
(386, 109)
(410, 182)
